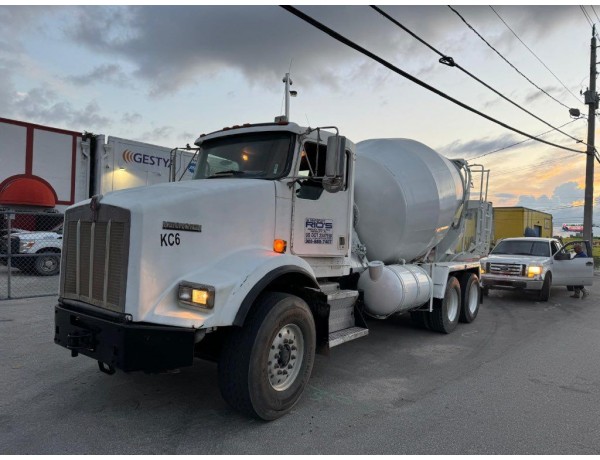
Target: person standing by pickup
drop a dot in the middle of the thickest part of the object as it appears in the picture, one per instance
(579, 252)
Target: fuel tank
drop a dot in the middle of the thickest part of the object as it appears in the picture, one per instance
(390, 289)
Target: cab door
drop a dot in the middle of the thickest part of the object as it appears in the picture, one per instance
(320, 219)
(573, 271)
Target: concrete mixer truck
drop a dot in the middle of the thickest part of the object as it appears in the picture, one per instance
(285, 242)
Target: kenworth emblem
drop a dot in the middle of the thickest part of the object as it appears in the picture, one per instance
(181, 226)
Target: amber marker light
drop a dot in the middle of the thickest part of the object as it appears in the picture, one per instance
(199, 297)
(279, 246)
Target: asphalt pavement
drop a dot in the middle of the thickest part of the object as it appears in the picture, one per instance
(524, 378)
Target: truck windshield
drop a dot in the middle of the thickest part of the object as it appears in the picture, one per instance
(525, 248)
(264, 155)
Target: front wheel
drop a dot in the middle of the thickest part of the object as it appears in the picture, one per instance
(544, 293)
(47, 264)
(446, 311)
(265, 366)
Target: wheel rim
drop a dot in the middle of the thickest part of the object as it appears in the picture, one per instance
(285, 357)
(473, 300)
(452, 305)
(48, 264)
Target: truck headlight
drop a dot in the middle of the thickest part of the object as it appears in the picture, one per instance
(24, 245)
(533, 271)
(196, 295)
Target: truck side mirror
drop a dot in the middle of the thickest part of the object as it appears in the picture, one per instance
(335, 164)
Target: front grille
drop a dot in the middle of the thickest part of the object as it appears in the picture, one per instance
(506, 269)
(95, 257)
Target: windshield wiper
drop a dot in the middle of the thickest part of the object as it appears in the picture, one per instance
(229, 172)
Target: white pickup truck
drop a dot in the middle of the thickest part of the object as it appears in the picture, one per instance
(35, 252)
(536, 264)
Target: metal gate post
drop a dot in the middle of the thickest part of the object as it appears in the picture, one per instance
(8, 252)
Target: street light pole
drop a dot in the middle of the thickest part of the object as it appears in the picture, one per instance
(592, 101)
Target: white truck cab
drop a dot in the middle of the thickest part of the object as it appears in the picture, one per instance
(536, 264)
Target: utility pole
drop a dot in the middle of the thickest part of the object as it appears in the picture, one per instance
(591, 99)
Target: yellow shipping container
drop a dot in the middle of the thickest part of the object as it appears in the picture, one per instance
(510, 222)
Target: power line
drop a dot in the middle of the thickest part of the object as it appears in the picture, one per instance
(594, 10)
(536, 166)
(521, 142)
(533, 167)
(447, 60)
(506, 60)
(535, 55)
(587, 16)
(406, 75)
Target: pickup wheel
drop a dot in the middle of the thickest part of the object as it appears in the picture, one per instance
(446, 312)
(544, 293)
(469, 286)
(265, 365)
(47, 263)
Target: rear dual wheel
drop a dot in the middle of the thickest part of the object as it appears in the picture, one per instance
(446, 311)
(460, 303)
(471, 295)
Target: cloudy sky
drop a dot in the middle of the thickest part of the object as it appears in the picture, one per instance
(164, 75)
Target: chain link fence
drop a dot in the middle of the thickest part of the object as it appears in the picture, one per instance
(30, 247)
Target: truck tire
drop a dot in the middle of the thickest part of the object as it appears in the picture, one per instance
(544, 293)
(47, 263)
(446, 311)
(485, 291)
(265, 365)
(470, 290)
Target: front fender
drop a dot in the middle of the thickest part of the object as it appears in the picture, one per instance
(236, 278)
(41, 246)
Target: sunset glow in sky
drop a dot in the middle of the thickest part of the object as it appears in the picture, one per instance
(164, 75)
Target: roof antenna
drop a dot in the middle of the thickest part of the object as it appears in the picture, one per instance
(288, 82)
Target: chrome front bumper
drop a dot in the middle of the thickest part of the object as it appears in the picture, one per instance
(510, 282)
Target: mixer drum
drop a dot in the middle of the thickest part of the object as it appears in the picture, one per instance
(407, 196)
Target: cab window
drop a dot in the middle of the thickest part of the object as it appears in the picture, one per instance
(311, 171)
